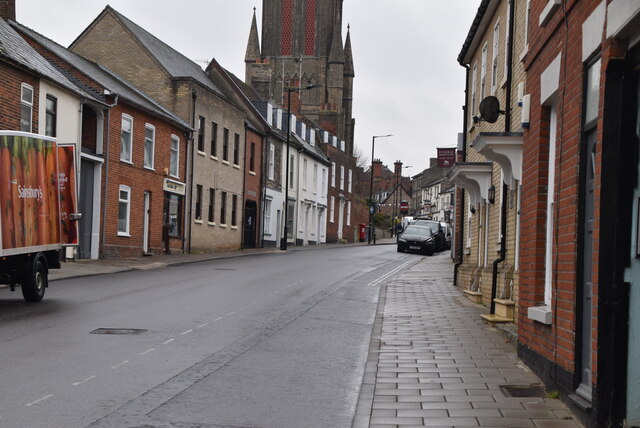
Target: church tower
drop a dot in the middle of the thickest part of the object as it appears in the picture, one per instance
(301, 46)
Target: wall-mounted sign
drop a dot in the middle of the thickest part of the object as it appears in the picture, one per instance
(174, 187)
(446, 157)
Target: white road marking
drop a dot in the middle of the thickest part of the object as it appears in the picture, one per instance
(39, 400)
(231, 313)
(166, 342)
(217, 319)
(187, 332)
(120, 364)
(389, 274)
(83, 380)
(242, 308)
(203, 325)
(147, 351)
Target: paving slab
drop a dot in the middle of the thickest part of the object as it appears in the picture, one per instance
(438, 364)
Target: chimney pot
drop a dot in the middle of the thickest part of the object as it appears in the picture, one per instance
(8, 10)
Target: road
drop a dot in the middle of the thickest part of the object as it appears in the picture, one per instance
(276, 339)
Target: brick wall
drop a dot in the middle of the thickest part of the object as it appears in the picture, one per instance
(11, 80)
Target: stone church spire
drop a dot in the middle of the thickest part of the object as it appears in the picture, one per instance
(336, 54)
(348, 56)
(253, 45)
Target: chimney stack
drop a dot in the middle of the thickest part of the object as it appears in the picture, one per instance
(433, 162)
(398, 168)
(377, 169)
(8, 10)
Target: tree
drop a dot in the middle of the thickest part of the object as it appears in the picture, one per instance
(362, 161)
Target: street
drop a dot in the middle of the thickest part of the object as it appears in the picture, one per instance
(277, 339)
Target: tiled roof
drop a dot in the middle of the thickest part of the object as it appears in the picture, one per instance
(176, 64)
(104, 77)
(14, 48)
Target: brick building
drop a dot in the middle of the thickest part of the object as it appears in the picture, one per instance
(579, 286)
(216, 154)
(488, 175)
(132, 162)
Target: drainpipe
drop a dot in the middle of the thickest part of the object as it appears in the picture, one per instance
(465, 109)
(244, 186)
(105, 150)
(263, 183)
(190, 145)
(505, 188)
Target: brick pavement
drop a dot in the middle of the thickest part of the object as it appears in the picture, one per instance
(434, 362)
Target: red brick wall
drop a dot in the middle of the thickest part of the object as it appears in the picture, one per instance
(11, 80)
(253, 185)
(555, 342)
(139, 179)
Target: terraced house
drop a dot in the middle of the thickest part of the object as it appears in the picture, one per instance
(216, 155)
(489, 176)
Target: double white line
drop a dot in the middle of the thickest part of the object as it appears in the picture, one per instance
(389, 274)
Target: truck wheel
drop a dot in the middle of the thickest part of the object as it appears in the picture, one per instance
(33, 285)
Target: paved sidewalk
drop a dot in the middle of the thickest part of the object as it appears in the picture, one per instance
(434, 362)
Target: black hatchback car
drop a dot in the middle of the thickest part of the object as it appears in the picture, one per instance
(417, 238)
(439, 238)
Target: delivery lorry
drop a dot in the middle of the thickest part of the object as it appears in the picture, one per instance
(38, 200)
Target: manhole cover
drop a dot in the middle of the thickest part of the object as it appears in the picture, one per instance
(118, 331)
(534, 390)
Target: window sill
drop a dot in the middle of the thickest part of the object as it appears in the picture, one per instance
(177, 177)
(503, 82)
(236, 166)
(215, 158)
(542, 314)
(234, 227)
(223, 225)
(252, 173)
(149, 168)
(196, 221)
(211, 223)
(124, 235)
(126, 161)
(201, 153)
(225, 162)
(523, 53)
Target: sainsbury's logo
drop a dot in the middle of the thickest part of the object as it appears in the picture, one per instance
(29, 193)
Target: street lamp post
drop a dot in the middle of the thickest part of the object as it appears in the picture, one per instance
(373, 145)
(283, 240)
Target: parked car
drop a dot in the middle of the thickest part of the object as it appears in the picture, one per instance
(439, 238)
(447, 235)
(417, 238)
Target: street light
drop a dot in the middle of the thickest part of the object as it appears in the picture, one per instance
(373, 145)
(283, 240)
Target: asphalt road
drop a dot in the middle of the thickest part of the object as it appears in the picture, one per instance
(271, 340)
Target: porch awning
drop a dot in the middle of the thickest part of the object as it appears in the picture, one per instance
(474, 177)
(505, 148)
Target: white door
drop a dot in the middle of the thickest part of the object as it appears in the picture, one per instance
(145, 226)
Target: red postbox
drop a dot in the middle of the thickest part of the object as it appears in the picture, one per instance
(363, 232)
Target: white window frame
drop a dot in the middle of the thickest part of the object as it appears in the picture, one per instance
(494, 57)
(304, 174)
(474, 84)
(333, 174)
(332, 209)
(341, 177)
(292, 168)
(271, 162)
(174, 156)
(127, 201)
(483, 71)
(506, 43)
(28, 103)
(149, 127)
(348, 213)
(267, 216)
(126, 117)
(315, 178)
(323, 190)
(349, 183)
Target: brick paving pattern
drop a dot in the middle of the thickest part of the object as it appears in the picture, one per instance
(434, 362)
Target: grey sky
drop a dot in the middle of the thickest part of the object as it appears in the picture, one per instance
(408, 82)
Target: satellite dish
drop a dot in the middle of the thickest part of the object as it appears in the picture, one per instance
(490, 109)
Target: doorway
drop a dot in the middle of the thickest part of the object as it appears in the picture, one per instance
(145, 225)
(250, 216)
(85, 204)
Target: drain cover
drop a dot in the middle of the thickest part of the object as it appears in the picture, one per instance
(533, 390)
(118, 331)
(397, 342)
